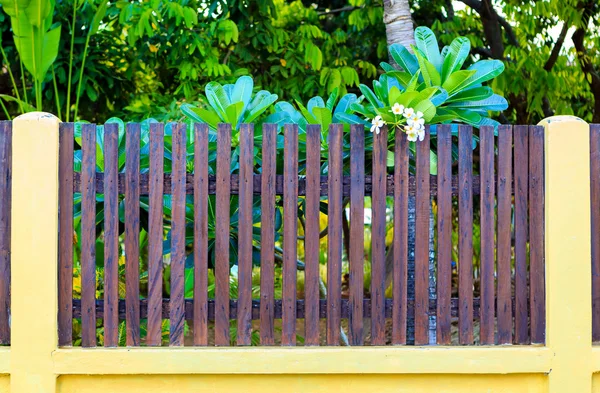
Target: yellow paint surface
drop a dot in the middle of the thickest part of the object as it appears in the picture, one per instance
(424, 383)
(4, 384)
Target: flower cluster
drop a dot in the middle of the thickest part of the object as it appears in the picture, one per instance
(414, 126)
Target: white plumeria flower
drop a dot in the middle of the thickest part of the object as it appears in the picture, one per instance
(397, 109)
(409, 112)
(416, 119)
(421, 133)
(412, 133)
(377, 123)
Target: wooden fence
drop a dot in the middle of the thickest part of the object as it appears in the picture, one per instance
(103, 186)
(507, 293)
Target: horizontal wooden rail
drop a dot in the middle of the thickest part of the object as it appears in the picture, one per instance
(300, 308)
(189, 186)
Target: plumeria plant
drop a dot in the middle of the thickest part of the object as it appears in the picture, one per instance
(411, 120)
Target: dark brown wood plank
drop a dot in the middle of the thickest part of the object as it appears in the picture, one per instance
(311, 235)
(536, 235)
(300, 307)
(132, 233)
(595, 206)
(521, 170)
(278, 184)
(488, 221)
(65, 233)
(290, 233)
(111, 235)
(444, 232)
(244, 320)
(155, 236)
(400, 241)
(200, 234)
(505, 142)
(334, 236)
(177, 314)
(222, 235)
(357, 232)
(64, 320)
(465, 236)
(267, 235)
(88, 235)
(423, 207)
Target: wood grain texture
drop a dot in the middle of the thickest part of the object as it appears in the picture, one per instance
(444, 232)
(537, 298)
(200, 321)
(222, 235)
(311, 235)
(334, 236)
(505, 142)
(357, 232)
(88, 235)
(267, 235)
(290, 234)
(400, 241)
(244, 317)
(132, 233)
(465, 236)
(155, 236)
(595, 206)
(111, 235)
(488, 221)
(177, 312)
(423, 211)
(521, 176)
(65, 233)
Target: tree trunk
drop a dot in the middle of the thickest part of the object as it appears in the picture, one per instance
(399, 30)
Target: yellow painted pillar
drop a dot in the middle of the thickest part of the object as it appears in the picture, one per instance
(568, 254)
(34, 248)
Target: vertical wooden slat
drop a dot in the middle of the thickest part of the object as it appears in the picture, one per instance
(176, 301)
(65, 247)
(111, 235)
(536, 234)
(378, 230)
(400, 242)
(244, 310)
(595, 206)
(222, 234)
(357, 232)
(88, 235)
(132, 233)
(487, 203)
(311, 235)
(521, 169)
(444, 232)
(200, 234)
(422, 242)
(5, 228)
(290, 234)
(267, 235)
(334, 236)
(465, 236)
(504, 302)
(155, 236)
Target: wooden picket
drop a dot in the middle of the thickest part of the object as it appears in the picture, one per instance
(494, 179)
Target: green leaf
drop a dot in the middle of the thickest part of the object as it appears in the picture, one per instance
(428, 109)
(428, 70)
(37, 11)
(484, 71)
(98, 15)
(201, 115)
(344, 105)
(242, 91)
(323, 117)
(234, 113)
(457, 81)
(394, 95)
(458, 52)
(26, 106)
(217, 98)
(493, 103)
(473, 94)
(370, 96)
(426, 94)
(260, 107)
(332, 99)
(315, 102)
(402, 77)
(427, 43)
(404, 58)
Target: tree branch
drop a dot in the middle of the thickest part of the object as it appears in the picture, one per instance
(557, 48)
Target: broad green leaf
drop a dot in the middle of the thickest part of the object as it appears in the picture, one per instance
(426, 94)
(242, 91)
(466, 116)
(49, 51)
(26, 106)
(473, 94)
(98, 15)
(310, 118)
(458, 80)
(332, 99)
(484, 71)
(428, 70)
(402, 77)
(37, 11)
(458, 52)
(439, 98)
(344, 105)
(14, 8)
(493, 103)
(260, 108)
(394, 95)
(323, 117)
(427, 43)
(315, 102)
(234, 112)
(347, 118)
(427, 108)
(201, 115)
(217, 98)
(370, 96)
(406, 60)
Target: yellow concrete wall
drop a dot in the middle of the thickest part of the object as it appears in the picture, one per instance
(34, 363)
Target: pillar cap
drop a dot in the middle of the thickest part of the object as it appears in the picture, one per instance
(560, 119)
